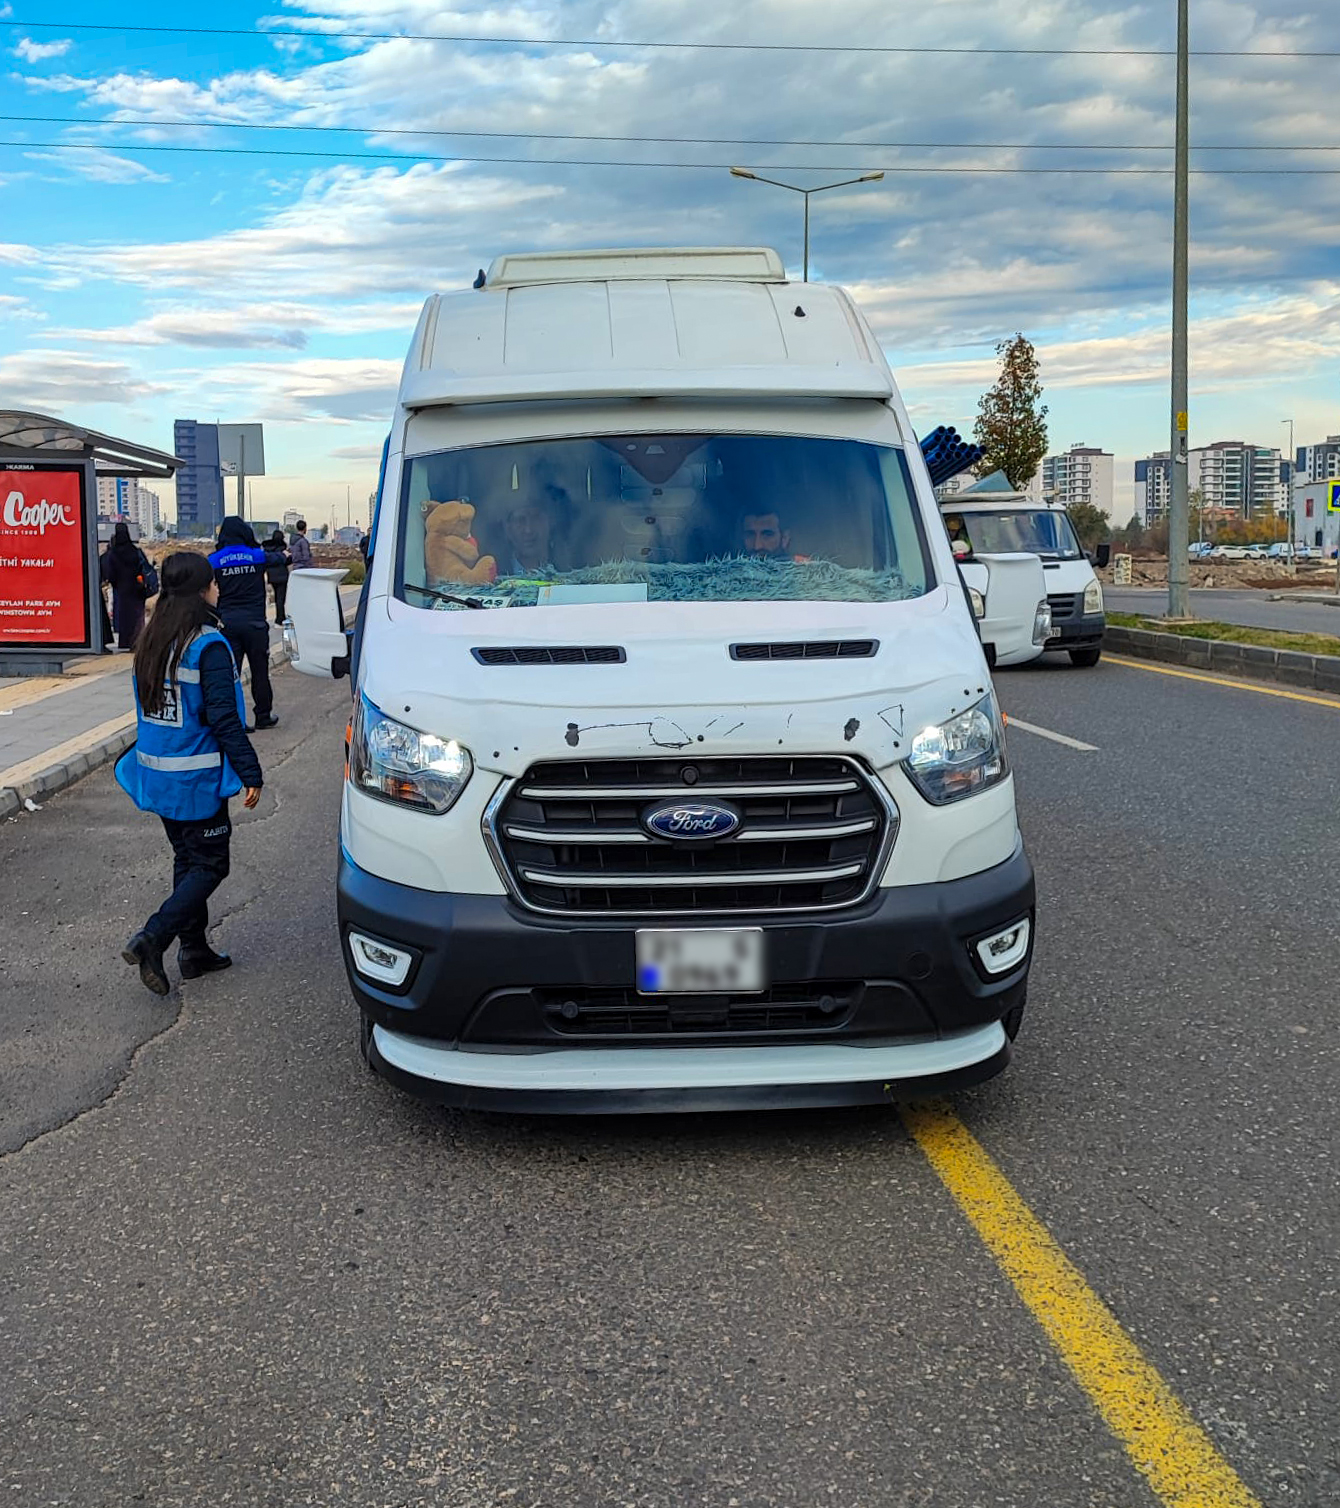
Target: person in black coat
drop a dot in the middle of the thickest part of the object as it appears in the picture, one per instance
(239, 568)
(277, 573)
(123, 571)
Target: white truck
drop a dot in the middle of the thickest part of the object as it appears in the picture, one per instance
(675, 776)
(993, 519)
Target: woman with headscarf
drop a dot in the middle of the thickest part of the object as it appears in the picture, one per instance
(123, 571)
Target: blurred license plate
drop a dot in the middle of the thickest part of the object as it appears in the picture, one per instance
(1053, 633)
(712, 961)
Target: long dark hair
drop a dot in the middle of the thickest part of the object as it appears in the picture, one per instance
(180, 614)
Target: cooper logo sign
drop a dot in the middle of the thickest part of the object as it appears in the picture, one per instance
(44, 557)
(21, 514)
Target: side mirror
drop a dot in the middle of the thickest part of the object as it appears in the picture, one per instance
(1101, 555)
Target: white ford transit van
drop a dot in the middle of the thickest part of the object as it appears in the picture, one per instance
(675, 777)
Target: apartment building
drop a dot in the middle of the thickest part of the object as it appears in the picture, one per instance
(124, 500)
(1233, 478)
(1318, 463)
(1153, 487)
(1082, 474)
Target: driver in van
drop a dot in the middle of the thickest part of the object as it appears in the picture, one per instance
(764, 538)
(528, 530)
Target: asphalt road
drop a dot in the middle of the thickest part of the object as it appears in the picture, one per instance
(238, 1269)
(1246, 607)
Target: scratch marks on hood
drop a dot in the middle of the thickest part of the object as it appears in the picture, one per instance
(660, 732)
(892, 718)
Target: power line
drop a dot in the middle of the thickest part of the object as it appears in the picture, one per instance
(609, 42)
(706, 141)
(598, 162)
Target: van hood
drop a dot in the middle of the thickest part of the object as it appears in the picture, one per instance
(678, 689)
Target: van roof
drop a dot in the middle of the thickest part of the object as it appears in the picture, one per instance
(706, 321)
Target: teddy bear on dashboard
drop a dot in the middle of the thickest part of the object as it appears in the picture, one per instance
(449, 549)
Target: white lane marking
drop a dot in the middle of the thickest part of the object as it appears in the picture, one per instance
(1056, 738)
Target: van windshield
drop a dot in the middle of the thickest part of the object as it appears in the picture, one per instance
(660, 518)
(1044, 531)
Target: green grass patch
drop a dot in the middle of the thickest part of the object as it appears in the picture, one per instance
(1234, 633)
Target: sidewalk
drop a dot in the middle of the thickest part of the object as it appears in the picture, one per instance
(55, 730)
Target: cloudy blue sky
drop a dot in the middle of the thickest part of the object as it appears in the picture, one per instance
(140, 285)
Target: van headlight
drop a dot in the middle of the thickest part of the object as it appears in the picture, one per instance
(1093, 598)
(399, 764)
(1042, 622)
(978, 603)
(960, 756)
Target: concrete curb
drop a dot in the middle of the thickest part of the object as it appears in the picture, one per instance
(1285, 666)
(60, 776)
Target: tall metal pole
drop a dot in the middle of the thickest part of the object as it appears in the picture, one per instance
(1179, 514)
(241, 476)
(1288, 509)
(806, 276)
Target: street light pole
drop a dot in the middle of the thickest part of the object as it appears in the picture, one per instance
(795, 188)
(1288, 496)
(1179, 515)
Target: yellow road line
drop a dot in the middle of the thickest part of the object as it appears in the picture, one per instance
(1220, 680)
(81, 743)
(1176, 1456)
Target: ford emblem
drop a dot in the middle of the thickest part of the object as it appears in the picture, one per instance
(691, 819)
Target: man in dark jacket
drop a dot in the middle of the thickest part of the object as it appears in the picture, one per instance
(239, 568)
(278, 574)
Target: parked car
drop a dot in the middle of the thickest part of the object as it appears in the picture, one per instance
(1306, 552)
(1237, 552)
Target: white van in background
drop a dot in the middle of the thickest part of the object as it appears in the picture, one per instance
(995, 519)
(675, 779)
(1008, 594)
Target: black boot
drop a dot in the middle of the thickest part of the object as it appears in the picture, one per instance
(200, 959)
(144, 951)
(265, 720)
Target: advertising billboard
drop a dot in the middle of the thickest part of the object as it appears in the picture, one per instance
(44, 559)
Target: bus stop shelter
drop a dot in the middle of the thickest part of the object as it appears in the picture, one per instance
(49, 576)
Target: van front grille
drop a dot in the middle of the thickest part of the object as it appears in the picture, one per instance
(813, 832)
(1065, 605)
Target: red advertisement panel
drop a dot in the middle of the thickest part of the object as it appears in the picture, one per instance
(43, 589)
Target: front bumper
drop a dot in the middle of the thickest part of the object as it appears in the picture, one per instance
(1082, 632)
(506, 1008)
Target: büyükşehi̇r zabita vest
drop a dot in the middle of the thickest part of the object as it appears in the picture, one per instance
(176, 768)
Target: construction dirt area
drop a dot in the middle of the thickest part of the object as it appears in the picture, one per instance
(1266, 575)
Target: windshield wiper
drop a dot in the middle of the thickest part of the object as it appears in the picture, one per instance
(444, 596)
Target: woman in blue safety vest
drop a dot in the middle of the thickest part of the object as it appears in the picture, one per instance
(191, 754)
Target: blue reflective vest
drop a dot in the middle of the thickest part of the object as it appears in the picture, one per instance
(176, 767)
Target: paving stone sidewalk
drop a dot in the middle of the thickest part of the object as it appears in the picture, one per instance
(54, 730)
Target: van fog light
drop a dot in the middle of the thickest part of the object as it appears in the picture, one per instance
(379, 960)
(1005, 950)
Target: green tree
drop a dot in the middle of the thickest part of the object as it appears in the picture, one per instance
(1090, 523)
(1011, 422)
(1133, 533)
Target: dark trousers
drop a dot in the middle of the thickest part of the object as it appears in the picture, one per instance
(200, 866)
(281, 596)
(251, 641)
